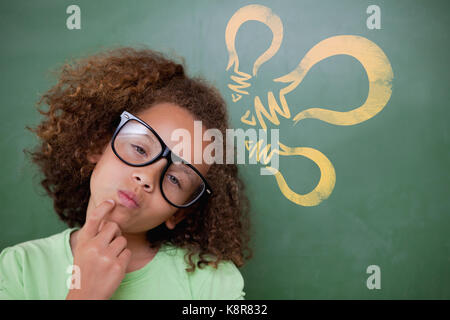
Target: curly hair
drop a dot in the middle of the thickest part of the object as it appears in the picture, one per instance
(84, 109)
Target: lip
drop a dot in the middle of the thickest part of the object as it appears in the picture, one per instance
(128, 199)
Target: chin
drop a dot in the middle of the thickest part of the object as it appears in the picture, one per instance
(121, 218)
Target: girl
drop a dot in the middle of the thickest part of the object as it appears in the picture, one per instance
(142, 225)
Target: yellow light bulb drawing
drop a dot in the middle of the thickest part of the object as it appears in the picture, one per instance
(372, 58)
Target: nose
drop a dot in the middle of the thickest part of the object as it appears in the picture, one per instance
(149, 176)
(148, 185)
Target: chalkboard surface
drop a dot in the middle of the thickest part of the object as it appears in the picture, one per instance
(360, 206)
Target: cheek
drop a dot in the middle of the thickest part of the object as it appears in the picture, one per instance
(103, 178)
(153, 215)
(158, 207)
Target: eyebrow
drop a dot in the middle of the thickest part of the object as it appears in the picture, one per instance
(150, 138)
(189, 171)
(186, 170)
(153, 137)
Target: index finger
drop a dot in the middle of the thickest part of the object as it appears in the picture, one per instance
(94, 219)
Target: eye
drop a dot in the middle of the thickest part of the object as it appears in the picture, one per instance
(139, 149)
(173, 180)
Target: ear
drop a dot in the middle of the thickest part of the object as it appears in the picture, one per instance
(176, 218)
(93, 158)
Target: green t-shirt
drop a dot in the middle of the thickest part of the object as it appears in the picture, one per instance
(41, 269)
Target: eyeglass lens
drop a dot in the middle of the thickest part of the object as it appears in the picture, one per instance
(136, 144)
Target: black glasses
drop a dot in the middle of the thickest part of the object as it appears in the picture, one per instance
(138, 145)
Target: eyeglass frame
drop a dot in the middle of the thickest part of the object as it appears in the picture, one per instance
(166, 153)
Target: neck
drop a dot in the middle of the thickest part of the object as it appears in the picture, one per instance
(138, 244)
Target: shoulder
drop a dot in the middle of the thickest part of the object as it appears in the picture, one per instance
(208, 282)
(43, 246)
(20, 260)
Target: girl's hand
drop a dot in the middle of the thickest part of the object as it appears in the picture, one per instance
(102, 256)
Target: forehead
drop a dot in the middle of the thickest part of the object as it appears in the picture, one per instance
(166, 118)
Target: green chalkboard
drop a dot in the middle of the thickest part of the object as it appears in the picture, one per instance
(364, 158)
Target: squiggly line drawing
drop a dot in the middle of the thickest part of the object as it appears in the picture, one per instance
(372, 58)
